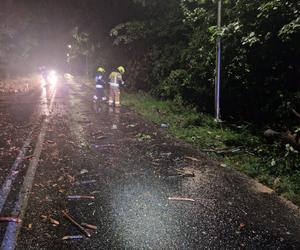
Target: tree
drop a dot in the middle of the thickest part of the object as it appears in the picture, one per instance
(173, 52)
(16, 39)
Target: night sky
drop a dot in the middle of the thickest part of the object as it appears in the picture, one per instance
(49, 24)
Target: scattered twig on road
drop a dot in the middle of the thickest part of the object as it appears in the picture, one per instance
(71, 178)
(84, 171)
(51, 220)
(222, 150)
(183, 175)
(87, 182)
(96, 192)
(187, 175)
(191, 158)
(180, 199)
(10, 219)
(72, 237)
(54, 222)
(29, 157)
(76, 224)
(97, 133)
(77, 197)
(50, 142)
(89, 226)
(44, 217)
(84, 121)
(96, 146)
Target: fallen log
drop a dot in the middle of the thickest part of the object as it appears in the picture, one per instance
(286, 137)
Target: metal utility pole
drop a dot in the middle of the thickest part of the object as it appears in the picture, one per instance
(218, 66)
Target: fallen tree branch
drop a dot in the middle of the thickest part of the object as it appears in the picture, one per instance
(180, 199)
(10, 219)
(285, 137)
(222, 150)
(192, 158)
(76, 224)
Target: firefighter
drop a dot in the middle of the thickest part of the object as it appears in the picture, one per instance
(115, 80)
(99, 97)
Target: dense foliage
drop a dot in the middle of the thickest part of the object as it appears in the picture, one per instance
(172, 53)
(16, 39)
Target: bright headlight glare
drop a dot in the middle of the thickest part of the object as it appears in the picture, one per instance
(52, 77)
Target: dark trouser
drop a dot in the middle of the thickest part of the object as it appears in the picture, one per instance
(100, 94)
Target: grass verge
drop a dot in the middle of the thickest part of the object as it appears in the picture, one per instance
(237, 145)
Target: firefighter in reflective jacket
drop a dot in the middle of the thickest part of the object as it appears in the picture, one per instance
(114, 83)
(100, 96)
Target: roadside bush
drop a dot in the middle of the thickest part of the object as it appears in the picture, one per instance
(174, 85)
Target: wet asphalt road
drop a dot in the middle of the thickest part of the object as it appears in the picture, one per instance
(132, 168)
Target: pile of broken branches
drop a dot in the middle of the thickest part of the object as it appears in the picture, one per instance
(287, 137)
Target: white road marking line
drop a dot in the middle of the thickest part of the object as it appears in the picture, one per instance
(13, 229)
(7, 185)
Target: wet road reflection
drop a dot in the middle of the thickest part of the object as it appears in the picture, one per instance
(132, 169)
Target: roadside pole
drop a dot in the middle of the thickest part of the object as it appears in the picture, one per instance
(218, 66)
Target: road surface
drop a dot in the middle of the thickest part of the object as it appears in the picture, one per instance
(144, 189)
